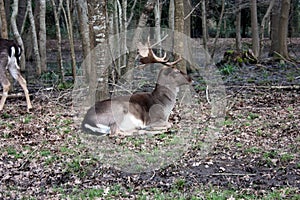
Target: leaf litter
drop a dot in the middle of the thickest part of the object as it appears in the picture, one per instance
(42, 156)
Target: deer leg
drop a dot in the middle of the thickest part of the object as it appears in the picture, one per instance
(5, 85)
(22, 82)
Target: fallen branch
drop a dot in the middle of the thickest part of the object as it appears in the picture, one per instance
(279, 87)
(231, 174)
(283, 58)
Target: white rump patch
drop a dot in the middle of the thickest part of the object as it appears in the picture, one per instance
(99, 129)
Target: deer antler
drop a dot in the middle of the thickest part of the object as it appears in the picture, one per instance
(148, 56)
(171, 64)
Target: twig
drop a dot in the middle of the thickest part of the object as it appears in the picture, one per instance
(30, 156)
(231, 174)
(207, 94)
(187, 16)
(267, 87)
(283, 58)
(159, 41)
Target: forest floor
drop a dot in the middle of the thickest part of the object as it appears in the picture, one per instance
(257, 155)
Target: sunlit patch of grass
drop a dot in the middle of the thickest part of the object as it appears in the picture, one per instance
(227, 69)
(252, 116)
(13, 152)
(45, 153)
(286, 157)
(6, 115)
(253, 150)
(180, 184)
(239, 145)
(228, 122)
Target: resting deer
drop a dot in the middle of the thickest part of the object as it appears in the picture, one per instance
(147, 110)
(10, 53)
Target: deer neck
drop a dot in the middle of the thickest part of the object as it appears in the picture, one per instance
(165, 94)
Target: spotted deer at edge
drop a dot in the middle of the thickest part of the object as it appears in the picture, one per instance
(10, 53)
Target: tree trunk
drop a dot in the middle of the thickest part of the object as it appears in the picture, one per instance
(58, 37)
(263, 22)
(204, 25)
(171, 15)
(238, 37)
(4, 32)
(21, 14)
(16, 32)
(69, 24)
(275, 27)
(179, 27)
(157, 35)
(148, 8)
(172, 20)
(218, 28)
(282, 34)
(254, 28)
(34, 38)
(99, 76)
(43, 36)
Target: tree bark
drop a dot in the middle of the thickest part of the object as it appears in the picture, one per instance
(21, 14)
(34, 38)
(16, 32)
(254, 28)
(218, 28)
(148, 8)
(204, 25)
(263, 22)
(179, 27)
(69, 24)
(4, 32)
(157, 14)
(238, 37)
(99, 72)
(43, 36)
(58, 37)
(282, 34)
(275, 27)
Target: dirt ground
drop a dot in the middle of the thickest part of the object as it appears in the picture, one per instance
(256, 157)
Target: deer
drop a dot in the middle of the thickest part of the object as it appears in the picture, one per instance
(142, 110)
(10, 53)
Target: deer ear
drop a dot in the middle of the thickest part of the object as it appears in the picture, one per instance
(19, 51)
(11, 51)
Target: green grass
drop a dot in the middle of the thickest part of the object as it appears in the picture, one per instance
(227, 69)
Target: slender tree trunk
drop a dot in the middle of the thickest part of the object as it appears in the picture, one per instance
(34, 38)
(254, 28)
(275, 27)
(171, 15)
(238, 37)
(172, 20)
(263, 23)
(157, 14)
(218, 28)
(69, 24)
(148, 8)
(283, 31)
(21, 14)
(16, 32)
(4, 32)
(42, 36)
(204, 25)
(179, 27)
(58, 37)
